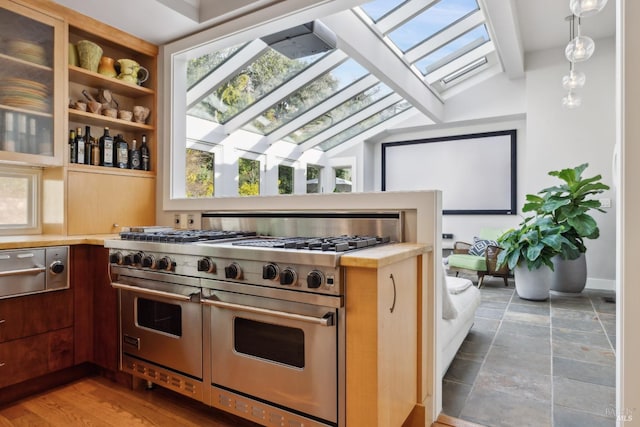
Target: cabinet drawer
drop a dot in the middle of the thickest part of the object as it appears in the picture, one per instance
(31, 357)
(34, 314)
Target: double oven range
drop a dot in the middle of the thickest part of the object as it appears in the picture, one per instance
(241, 320)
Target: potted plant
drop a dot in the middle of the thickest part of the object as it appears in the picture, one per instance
(528, 251)
(568, 205)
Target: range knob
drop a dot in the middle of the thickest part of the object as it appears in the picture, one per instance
(128, 259)
(206, 265)
(137, 257)
(288, 276)
(270, 271)
(165, 263)
(148, 261)
(233, 271)
(116, 258)
(56, 267)
(315, 279)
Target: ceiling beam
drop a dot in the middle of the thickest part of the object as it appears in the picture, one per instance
(505, 32)
(357, 39)
(455, 65)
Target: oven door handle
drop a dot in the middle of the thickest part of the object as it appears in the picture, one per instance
(154, 292)
(24, 271)
(326, 320)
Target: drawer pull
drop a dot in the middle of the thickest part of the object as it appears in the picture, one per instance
(2, 321)
(2, 364)
(26, 271)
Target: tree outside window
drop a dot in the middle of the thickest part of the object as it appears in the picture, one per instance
(285, 179)
(200, 173)
(248, 177)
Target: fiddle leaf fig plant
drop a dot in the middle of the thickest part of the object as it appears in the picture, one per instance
(534, 242)
(568, 205)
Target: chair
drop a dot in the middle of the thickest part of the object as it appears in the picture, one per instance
(483, 265)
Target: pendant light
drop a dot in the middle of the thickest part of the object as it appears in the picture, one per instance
(571, 100)
(580, 48)
(573, 80)
(584, 8)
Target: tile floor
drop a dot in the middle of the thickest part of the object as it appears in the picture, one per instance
(528, 363)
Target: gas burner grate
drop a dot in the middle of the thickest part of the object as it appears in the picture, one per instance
(324, 244)
(183, 236)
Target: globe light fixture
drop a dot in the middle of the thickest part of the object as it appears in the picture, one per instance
(574, 80)
(579, 49)
(571, 100)
(584, 8)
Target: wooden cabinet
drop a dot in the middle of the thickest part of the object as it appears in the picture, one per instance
(382, 311)
(104, 199)
(31, 86)
(36, 335)
(104, 202)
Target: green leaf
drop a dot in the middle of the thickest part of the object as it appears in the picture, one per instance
(584, 224)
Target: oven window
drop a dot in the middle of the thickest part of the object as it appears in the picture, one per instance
(281, 344)
(160, 316)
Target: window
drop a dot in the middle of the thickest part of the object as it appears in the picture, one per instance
(19, 204)
(200, 169)
(248, 177)
(285, 179)
(314, 175)
(343, 183)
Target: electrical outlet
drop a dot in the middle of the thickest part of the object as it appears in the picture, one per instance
(191, 222)
(177, 222)
(605, 203)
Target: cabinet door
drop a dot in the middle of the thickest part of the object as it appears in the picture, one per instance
(34, 314)
(397, 335)
(32, 57)
(37, 355)
(100, 203)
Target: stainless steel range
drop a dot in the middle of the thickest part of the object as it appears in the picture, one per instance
(245, 315)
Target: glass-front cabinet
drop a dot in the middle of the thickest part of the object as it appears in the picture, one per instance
(31, 83)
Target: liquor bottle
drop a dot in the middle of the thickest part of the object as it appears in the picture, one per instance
(73, 147)
(106, 149)
(144, 153)
(88, 143)
(95, 153)
(134, 156)
(122, 152)
(81, 146)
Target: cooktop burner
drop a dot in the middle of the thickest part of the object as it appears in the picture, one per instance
(183, 236)
(333, 244)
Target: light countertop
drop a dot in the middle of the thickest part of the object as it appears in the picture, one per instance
(39, 240)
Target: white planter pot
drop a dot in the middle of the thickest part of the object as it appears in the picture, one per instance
(532, 284)
(569, 276)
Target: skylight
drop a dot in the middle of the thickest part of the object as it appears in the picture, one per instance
(434, 19)
(378, 9)
(453, 50)
(307, 97)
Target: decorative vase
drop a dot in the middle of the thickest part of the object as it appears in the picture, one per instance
(89, 55)
(569, 276)
(106, 67)
(73, 55)
(532, 284)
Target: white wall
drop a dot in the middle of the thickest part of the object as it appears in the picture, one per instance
(549, 138)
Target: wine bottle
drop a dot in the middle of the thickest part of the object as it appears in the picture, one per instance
(73, 147)
(32, 138)
(122, 152)
(88, 143)
(144, 153)
(22, 139)
(95, 152)
(80, 145)
(134, 156)
(106, 149)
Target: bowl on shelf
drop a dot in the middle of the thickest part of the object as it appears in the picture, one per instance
(94, 107)
(140, 113)
(125, 115)
(110, 112)
(79, 105)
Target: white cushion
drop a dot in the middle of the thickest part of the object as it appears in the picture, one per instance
(457, 285)
(448, 309)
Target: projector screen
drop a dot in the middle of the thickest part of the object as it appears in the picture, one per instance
(476, 173)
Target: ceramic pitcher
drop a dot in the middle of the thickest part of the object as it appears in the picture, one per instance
(132, 72)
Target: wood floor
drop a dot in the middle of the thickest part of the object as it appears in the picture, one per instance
(96, 401)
